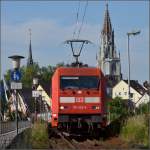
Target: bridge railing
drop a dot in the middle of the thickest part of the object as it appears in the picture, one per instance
(9, 132)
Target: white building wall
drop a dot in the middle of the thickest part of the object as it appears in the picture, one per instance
(144, 99)
(44, 94)
(121, 90)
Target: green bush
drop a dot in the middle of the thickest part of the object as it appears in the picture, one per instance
(136, 130)
(116, 108)
(143, 108)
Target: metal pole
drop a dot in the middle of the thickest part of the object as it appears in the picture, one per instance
(149, 106)
(149, 103)
(129, 94)
(16, 111)
(149, 83)
(35, 117)
(128, 71)
(41, 107)
(40, 104)
(0, 109)
(1, 117)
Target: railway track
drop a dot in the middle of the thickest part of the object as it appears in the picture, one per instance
(62, 140)
(59, 140)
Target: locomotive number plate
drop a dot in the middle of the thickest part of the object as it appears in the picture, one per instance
(80, 107)
(79, 99)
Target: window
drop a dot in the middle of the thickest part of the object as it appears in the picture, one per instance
(131, 95)
(79, 82)
(125, 93)
(119, 93)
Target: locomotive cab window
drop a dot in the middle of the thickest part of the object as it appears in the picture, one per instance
(79, 82)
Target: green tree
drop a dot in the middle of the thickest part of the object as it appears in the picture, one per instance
(28, 73)
(61, 64)
(45, 73)
(7, 75)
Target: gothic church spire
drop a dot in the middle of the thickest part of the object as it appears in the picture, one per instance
(109, 61)
(30, 59)
(107, 28)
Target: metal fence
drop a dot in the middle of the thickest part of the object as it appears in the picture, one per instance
(9, 132)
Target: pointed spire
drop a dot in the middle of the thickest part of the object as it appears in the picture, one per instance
(30, 59)
(107, 23)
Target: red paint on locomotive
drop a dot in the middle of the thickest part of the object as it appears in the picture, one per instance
(72, 102)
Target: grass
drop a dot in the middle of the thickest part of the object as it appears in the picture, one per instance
(32, 138)
(135, 130)
(39, 136)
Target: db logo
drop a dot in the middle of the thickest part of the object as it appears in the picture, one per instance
(79, 99)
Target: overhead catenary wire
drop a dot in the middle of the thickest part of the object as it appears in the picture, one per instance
(83, 18)
(77, 19)
(79, 24)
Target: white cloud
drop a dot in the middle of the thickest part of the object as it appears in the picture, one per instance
(47, 38)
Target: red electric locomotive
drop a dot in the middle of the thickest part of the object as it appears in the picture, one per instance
(78, 98)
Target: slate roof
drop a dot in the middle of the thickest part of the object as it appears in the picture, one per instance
(47, 87)
(135, 85)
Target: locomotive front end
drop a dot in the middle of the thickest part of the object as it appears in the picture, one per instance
(78, 99)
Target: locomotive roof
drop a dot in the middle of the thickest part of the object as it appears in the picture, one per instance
(88, 67)
(78, 71)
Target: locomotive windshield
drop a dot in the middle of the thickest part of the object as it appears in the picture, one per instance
(79, 82)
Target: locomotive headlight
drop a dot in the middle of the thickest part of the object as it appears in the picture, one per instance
(54, 115)
(95, 107)
(61, 107)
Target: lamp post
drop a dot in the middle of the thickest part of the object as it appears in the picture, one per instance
(35, 94)
(40, 104)
(44, 108)
(129, 34)
(15, 80)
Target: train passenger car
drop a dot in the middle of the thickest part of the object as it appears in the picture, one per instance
(78, 98)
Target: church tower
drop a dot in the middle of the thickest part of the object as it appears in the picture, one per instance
(109, 60)
(30, 59)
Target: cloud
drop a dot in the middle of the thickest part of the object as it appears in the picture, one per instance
(48, 36)
(47, 39)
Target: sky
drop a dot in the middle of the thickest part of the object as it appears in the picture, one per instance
(53, 22)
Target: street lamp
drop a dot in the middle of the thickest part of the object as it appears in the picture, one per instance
(129, 34)
(16, 61)
(15, 80)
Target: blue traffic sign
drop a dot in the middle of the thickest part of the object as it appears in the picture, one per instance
(16, 75)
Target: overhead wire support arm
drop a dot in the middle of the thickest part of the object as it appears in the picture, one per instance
(72, 48)
(81, 47)
(77, 52)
